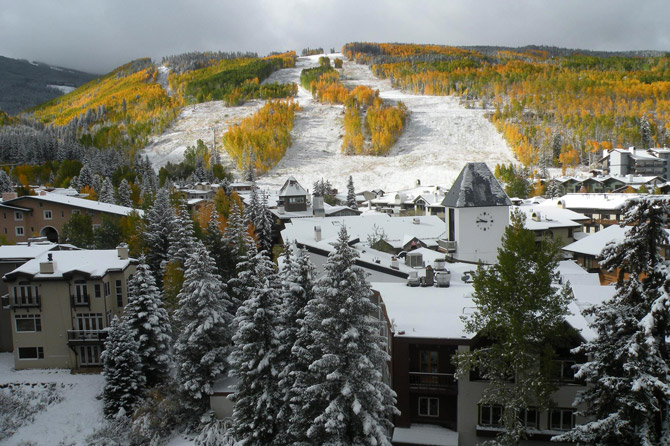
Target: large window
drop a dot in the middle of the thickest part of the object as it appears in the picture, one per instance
(18, 215)
(429, 407)
(428, 361)
(80, 292)
(89, 321)
(530, 418)
(48, 215)
(31, 353)
(490, 415)
(89, 355)
(561, 419)
(26, 323)
(19, 231)
(25, 295)
(565, 370)
(119, 294)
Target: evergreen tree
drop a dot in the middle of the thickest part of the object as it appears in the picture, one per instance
(351, 194)
(124, 381)
(124, 193)
(6, 184)
(241, 285)
(628, 371)
(346, 400)
(235, 242)
(213, 240)
(254, 359)
(160, 221)
(182, 237)
(78, 231)
(204, 324)
(519, 314)
(250, 168)
(146, 316)
(252, 210)
(294, 342)
(553, 189)
(106, 194)
(263, 225)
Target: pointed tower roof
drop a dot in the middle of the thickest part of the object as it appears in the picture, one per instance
(476, 187)
(291, 188)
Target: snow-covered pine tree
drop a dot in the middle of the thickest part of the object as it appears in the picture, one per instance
(122, 369)
(250, 168)
(146, 316)
(263, 225)
(255, 360)
(205, 329)
(160, 220)
(123, 194)
(298, 275)
(235, 242)
(85, 178)
(553, 189)
(645, 132)
(5, 182)
(252, 210)
(106, 194)
(213, 240)
(351, 194)
(241, 284)
(347, 401)
(628, 371)
(182, 237)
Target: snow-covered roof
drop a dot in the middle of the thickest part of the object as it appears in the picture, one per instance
(94, 263)
(550, 217)
(436, 313)
(291, 188)
(594, 243)
(25, 251)
(80, 203)
(603, 201)
(476, 187)
(430, 194)
(426, 228)
(425, 434)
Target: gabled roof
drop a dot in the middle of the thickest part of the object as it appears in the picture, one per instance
(78, 203)
(291, 188)
(476, 187)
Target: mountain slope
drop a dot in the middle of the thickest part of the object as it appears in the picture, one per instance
(26, 84)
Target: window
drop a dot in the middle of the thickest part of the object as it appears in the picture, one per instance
(107, 292)
(48, 215)
(18, 216)
(89, 354)
(80, 293)
(565, 370)
(19, 231)
(428, 361)
(62, 214)
(97, 290)
(27, 323)
(89, 321)
(561, 419)
(530, 418)
(25, 295)
(31, 353)
(96, 226)
(75, 211)
(295, 200)
(119, 294)
(429, 407)
(490, 415)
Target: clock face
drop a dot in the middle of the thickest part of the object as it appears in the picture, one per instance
(484, 221)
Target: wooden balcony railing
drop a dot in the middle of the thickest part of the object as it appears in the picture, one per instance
(423, 380)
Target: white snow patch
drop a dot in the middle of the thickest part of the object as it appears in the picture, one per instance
(62, 88)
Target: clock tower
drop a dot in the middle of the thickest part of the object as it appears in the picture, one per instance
(476, 214)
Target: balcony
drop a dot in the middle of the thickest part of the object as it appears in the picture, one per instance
(81, 300)
(423, 380)
(21, 302)
(4, 302)
(86, 336)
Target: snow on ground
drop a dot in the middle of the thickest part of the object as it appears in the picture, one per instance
(62, 88)
(69, 422)
(440, 137)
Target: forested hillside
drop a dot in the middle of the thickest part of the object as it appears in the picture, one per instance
(559, 107)
(26, 84)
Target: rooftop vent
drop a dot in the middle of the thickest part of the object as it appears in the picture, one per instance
(48, 266)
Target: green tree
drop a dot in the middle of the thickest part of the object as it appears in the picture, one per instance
(519, 315)
(78, 231)
(108, 234)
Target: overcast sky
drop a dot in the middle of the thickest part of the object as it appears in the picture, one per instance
(99, 35)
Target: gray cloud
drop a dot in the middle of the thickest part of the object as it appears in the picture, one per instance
(99, 35)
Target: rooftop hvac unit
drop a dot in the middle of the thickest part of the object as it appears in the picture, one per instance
(414, 259)
(416, 221)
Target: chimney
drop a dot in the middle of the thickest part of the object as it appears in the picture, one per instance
(535, 216)
(48, 266)
(416, 221)
(122, 251)
(9, 196)
(417, 183)
(317, 233)
(317, 206)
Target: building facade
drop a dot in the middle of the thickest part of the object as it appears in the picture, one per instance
(62, 303)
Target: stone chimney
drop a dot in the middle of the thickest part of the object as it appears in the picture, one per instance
(9, 196)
